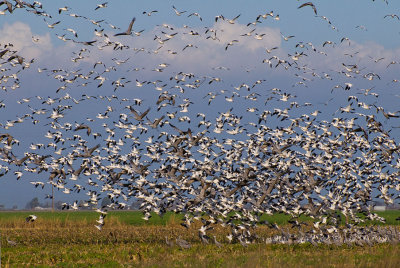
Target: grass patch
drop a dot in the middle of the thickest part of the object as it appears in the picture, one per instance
(144, 248)
(16, 219)
(136, 217)
(66, 239)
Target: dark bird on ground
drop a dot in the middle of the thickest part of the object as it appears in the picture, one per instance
(11, 242)
(183, 243)
(169, 243)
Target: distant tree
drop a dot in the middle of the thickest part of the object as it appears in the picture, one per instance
(82, 206)
(58, 205)
(136, 204)
(33, 203)
(1, 206)
(15, 207)
(105, 202)
(45, 205)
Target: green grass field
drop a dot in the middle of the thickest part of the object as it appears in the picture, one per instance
(69, 239)
(135, 217)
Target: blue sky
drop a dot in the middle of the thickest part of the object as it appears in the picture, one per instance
(345, 15)
(371, 37)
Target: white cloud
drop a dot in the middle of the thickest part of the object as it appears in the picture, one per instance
(206, 54)
(202, 57)
(20, 35)
(369, 56)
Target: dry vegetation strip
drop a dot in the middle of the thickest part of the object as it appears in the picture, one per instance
(55, 242)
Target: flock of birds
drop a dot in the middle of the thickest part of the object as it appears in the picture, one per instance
(266, 153)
